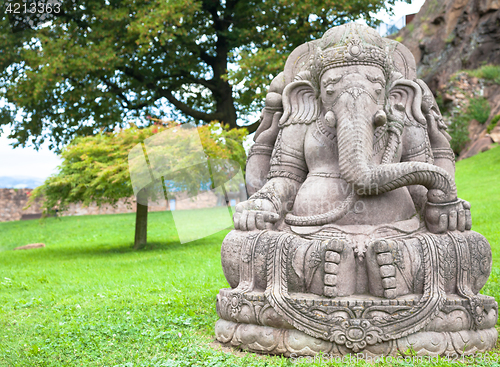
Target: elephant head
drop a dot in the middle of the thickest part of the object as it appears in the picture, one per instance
(352, 85)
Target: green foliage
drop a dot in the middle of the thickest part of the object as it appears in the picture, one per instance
(487, 72)
(477, 109)
(96, 168)
(89, 299)
(459, 133)
(102, 62)
(493, 123)
(440, 102)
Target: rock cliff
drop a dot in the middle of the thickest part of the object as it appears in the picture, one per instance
(450, 35)
(453, 35)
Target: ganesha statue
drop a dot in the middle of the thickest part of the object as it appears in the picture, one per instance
(353, 239)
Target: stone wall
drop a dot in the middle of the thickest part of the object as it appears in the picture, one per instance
(122, 206)
(183, 202)
(12, 202)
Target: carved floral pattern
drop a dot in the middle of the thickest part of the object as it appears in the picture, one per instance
(236, 302)
(356, 334)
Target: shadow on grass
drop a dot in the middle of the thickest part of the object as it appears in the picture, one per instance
(112, 249)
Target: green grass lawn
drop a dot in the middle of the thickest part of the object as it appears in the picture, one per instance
(89, 299)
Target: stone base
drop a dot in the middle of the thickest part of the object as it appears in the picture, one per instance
(294, 343)
(248, 321)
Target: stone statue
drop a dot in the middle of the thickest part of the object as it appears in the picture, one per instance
(353, 239)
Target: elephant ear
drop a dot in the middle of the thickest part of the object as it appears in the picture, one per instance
(300, 103)
(405, 97)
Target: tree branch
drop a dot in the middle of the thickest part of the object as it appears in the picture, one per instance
(119, 93)
(81, 23)
(187, 78)
(205, 83)
(211, 7)
(230, 4)
(199, 115)
(206, 58)
(252, 127)
(167, 93)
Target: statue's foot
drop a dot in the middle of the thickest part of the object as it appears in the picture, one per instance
(387, 268)
(385, 277)
(339, 278)
(333, 254)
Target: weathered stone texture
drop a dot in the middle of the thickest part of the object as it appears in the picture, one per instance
(354, 239)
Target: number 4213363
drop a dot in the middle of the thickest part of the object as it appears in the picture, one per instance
(35, 7)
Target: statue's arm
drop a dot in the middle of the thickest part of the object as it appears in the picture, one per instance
(434, 142)
(441, 150)
(259, 156)
(454, 215)
(288, 169)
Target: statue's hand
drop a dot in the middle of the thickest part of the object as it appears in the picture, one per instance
(255, 214)
(442, 217)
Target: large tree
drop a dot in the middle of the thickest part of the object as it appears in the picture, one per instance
(99, 62)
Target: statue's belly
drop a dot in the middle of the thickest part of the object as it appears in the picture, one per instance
(319, 195)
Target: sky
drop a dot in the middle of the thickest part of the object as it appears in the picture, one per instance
(401, 9)
(27, 162)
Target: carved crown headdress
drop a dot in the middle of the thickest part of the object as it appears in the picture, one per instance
(350, 44)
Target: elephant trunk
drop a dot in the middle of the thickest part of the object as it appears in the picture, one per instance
(355, 144)
(355, 138)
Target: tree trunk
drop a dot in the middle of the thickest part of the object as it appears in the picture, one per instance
(141, 226)
(223, 95)
(225, 105)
